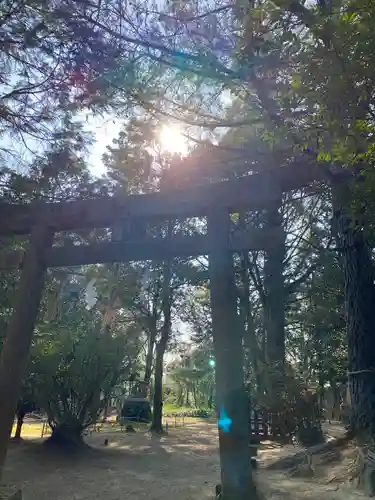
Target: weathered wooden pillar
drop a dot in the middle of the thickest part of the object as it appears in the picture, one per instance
(232, 399)
(19, 332)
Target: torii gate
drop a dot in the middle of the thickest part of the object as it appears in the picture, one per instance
(215, 202)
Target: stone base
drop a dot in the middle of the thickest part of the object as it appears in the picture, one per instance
(218, 487)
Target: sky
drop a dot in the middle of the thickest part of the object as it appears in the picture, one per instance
(105, 130)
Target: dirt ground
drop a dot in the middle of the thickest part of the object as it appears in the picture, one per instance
(182, 465)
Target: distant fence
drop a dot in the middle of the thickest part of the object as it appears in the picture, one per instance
(267, 425)
(175, 420)
(264, 425)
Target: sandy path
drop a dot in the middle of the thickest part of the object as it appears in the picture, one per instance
(181, 466)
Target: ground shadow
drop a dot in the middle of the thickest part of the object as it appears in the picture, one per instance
(183, 464)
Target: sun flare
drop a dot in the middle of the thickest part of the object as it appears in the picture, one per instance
(172, 141)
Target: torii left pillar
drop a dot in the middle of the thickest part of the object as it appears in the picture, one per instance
(20, 330)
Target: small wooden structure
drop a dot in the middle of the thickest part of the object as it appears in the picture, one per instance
(271, 426)
(136, 410)
(295, 421)
(214, 202)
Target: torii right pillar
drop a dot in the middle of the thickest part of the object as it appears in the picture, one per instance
(231, 398)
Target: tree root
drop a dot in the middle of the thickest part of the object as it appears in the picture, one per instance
(352, 474)
(304, 469)
(65, 440)
(360, 472)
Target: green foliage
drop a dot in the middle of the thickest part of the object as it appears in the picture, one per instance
(75, 366)
(193, 378)
(321, 330)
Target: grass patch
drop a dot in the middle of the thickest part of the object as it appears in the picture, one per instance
(171, 408)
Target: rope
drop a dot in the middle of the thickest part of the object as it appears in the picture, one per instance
(359, 372)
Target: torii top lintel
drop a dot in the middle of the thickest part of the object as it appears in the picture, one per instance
(252, 192)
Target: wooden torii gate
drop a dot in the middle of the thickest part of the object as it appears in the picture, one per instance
(213, 201)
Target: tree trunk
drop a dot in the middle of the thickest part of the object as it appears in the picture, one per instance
(180, 396)
(195, 396)
(274, 290)
(65, 435)
(211, 397)
(232, 399)
(20, 417)
(321, 391)
(309, 428)
(336, 402)
(149, 356)
(157, 417)
(148, 364)
(359, 300)
(19, 332)
(274, 313)
(249, 337)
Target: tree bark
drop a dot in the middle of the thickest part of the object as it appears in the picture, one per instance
(359, 300)
(232, 399)
(19, 332)
(157, 417)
